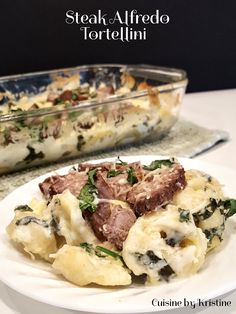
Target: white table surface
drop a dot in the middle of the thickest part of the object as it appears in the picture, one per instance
(209, 109)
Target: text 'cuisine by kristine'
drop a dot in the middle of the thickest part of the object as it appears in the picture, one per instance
(124, 20)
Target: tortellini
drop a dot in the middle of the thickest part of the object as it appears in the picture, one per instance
(82, 268)
(163, 244)
(70, 222)
(199, 190)
(212, 221)
(33, 234)
(201, 197)
(38, 228)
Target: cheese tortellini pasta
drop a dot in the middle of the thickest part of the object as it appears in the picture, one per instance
(163, 244)
(32, 234)
(71, 225)
(202, 197)
(200, 188)
(82, 267)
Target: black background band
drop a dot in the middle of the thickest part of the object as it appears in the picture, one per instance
(200, 38)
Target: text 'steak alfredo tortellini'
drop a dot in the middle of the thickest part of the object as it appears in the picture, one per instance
(110, 222)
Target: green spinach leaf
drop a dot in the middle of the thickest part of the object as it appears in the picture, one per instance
(230, 205)
(184, 215)
(113, 173)
(88, 194)
(132, 179)
(155, 164)
(23, 208)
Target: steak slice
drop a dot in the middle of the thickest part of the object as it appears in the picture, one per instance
(101, 166)
(111, 222)
(115, 188)
(73, 181)
(109, 165)
(156, 189)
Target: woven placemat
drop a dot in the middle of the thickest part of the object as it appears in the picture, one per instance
(185, 139)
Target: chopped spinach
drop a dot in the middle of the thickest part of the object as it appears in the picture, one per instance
(74, 96)
(214, 232)
(28, 219)
(113, 173)
(91, 175)
(87, 194)
(227, 208)
(132, 179)
(207, 213)
(88, 247)
(208, 210)
(166, 272)
(171, 242)
(214, 204)
(59, 101)
(152, 261)
(80, 142)
(32, 155)
(153, 257)
(230, 206)
(184, 215)
(87, 198)
(158, 164)
(23, 208)
(148, 259)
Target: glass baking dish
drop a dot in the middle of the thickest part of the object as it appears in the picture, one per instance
(59, 114)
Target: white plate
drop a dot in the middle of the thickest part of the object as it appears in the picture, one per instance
(36, 280)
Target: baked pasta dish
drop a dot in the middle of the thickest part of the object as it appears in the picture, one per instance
(82, 112)
(112, 222)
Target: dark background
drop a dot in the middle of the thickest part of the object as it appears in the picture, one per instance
(200, 38)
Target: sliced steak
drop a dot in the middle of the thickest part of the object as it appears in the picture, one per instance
(157, 188)
(98, 219)
(109, 165)
(101, 166)
(112, 223)
(115, 188)
(117, 227)
(73, 181)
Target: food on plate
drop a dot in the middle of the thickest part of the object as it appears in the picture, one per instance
(68, 220)
(158, 187)
(204, 197)
(73, 181)
(83, 265)
(32, 231)
(161, 244)
(103, 222)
